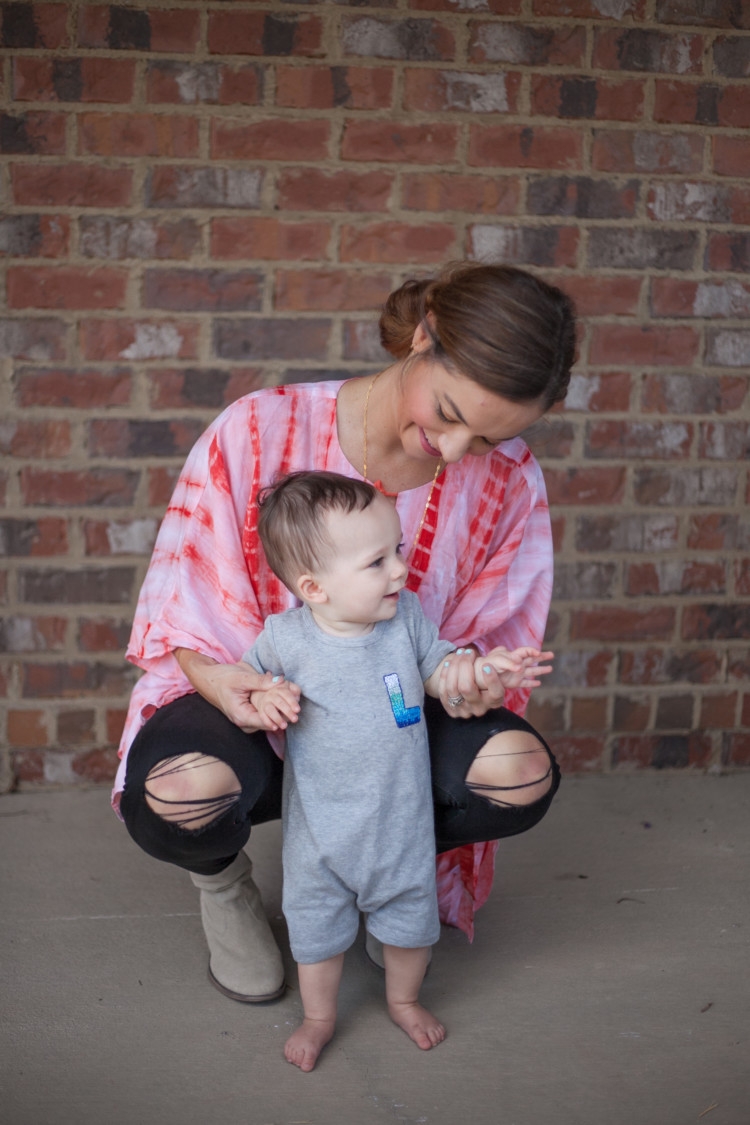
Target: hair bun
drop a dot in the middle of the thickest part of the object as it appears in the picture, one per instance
(402, 312)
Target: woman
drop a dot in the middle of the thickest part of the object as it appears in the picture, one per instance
(481, 352)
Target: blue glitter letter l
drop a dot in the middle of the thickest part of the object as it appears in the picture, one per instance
(404, 716)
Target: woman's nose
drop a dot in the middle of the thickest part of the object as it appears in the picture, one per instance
(454, 445)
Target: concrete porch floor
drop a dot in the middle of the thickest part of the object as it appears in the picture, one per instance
(608, 983)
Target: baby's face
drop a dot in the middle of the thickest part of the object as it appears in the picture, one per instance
(365, 570)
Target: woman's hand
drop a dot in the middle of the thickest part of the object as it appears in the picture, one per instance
(462, 691)
(227, 686)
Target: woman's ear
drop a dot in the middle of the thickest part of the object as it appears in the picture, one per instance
(310, 590)
(421, 341)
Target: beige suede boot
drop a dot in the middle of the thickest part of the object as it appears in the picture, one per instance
(244, 961)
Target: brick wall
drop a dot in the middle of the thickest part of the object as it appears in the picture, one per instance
(203, 198)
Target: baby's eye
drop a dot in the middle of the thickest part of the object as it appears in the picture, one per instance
(400, 547)
(377, 562)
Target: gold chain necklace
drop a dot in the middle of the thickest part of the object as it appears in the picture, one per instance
(378, 484)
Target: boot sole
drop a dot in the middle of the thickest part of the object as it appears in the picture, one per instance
(241, 997)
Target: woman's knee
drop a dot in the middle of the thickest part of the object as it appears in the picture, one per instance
(191, 790)
(512, 768)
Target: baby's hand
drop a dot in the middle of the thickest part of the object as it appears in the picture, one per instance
(278, 705)
(517, 669)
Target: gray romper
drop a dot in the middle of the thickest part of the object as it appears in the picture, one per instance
(357, 801)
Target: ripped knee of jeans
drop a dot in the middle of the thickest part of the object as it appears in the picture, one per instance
(513, 768)
(191, 790)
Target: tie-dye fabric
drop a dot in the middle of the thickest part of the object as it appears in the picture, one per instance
(482, 568)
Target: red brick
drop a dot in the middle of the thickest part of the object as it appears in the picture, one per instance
(102, 635)
(643, 440)
(647, 50)
(688, 487)
(444, 90)
(642, 533)
(115, 720)
(120, 537)
(35, 25)
(264, 33)
(71, 185)
(712, 532)
(588, 714)
(600, 485)
(716, 622)
(113, 488)
(734, 107)
(710, 13)
(40, 79)
(268, 238)
(635, 346)
(28, 767)
(604, 296)
(202, 386)
(585, 97)
(34, 236)
(194, 83)
(724, 441)
(274, 139)
(142, 134)
(578, 754)
(519, 146)
(631, 713)
(742, 577)
(526, 45)
(736, 749)
(675, 576)
(589, 9)
(116, 28)
(624, 151)
(687, 103)
(56, 287)
(496, 7)
(86, 389)
(422, 40)
(161, 482)
(35, 439)
(649, 666)
(595, 393)
(555, 247)
(479, 195)
(96, 766)
(209, 186)
(426, 143)
(76, 728)
(27, 729)
(728, 251)
(38, 338)
(271, 338)
(668, 751)
(731, 156)
(329, 290)
(138, 339)
(202, 290)
(398, 242)
(718, 711)
(361, 342)
(116, 237)
(694, 394)
(40, 538)
(312, 189)
(325, 87)
(34, 133)
(147, 437)
(74, 680)
(26, 634)
(613, 623)
(674, 297)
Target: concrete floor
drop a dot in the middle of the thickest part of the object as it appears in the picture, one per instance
(607, 985)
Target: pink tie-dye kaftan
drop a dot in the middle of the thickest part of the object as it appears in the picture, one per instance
(482, 568)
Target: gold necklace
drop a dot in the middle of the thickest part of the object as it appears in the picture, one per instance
(378, 484)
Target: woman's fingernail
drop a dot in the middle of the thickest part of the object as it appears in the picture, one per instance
(446, 664)
(276, 680)
(487, 668)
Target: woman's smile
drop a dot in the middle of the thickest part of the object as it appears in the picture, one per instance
(427, 444)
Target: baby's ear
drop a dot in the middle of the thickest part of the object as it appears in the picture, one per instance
(310, 590)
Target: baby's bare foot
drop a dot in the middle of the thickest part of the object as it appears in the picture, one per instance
(305, 1044)
(419, 1024)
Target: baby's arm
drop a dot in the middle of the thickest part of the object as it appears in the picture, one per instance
(517, 669)
(278, 705)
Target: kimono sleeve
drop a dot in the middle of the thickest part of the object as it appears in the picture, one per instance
(198, 593)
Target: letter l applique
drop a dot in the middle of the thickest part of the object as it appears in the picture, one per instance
(404, 716)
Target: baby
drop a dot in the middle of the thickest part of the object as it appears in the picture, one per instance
(357, 805)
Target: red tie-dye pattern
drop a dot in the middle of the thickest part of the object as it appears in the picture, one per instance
(482, 566)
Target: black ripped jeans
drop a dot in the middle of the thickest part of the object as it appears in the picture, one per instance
(191, 725)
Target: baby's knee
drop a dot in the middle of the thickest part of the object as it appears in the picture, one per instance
(191, 790)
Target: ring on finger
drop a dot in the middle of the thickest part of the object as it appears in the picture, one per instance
(455, 700)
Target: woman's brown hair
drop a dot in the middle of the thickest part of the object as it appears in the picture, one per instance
(500, 326)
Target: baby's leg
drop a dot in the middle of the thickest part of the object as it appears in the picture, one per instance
(404, 973)
(319, 989)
